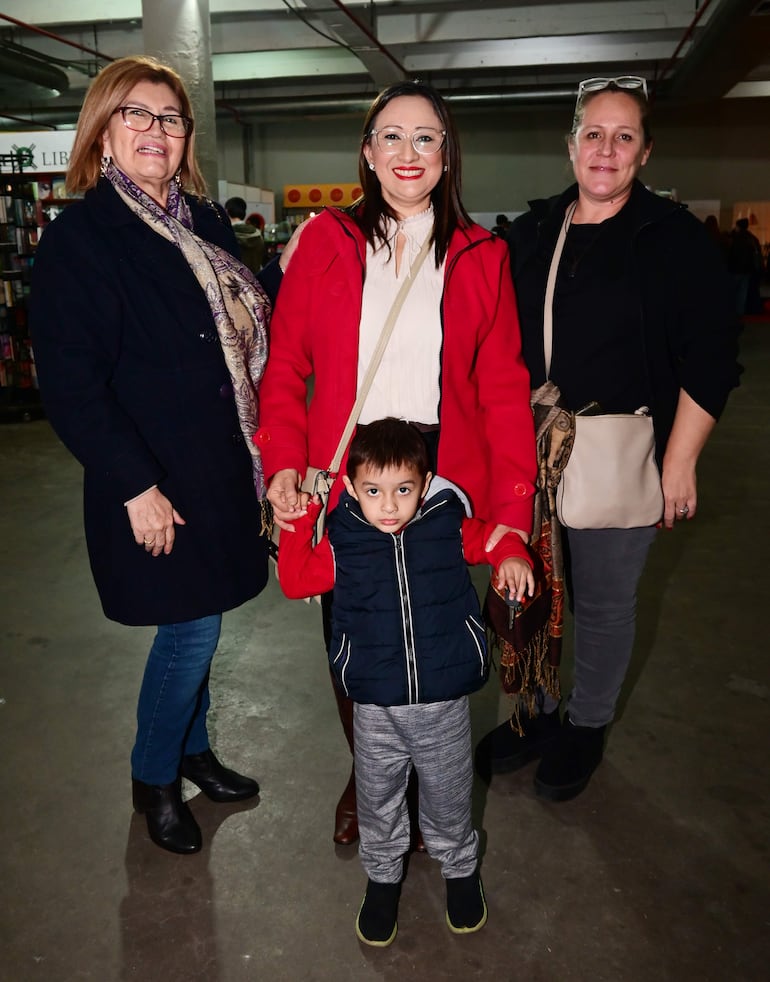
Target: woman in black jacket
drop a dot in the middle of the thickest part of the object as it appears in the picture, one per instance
(641, 317)
(149, 338)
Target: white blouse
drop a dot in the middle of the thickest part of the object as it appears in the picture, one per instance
(407, 382)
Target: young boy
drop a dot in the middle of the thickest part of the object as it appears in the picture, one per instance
(408, 646)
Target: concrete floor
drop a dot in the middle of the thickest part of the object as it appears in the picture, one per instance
(660, 870)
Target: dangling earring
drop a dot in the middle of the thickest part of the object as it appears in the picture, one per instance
(104, 164)
(178, 178)
(445, 168)
(371, 166)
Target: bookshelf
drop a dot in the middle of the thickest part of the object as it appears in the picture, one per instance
(19, 394)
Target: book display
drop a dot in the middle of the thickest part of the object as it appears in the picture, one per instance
(19, 395)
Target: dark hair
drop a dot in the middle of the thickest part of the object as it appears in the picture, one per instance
(743, 223)
(636, 94)
(370, 210)
(388, 442)
(236, 208)
(256, 220)
(502, 220)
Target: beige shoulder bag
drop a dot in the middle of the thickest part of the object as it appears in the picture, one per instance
(611, 479)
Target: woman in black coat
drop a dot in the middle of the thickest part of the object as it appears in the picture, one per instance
(149, 338)
(640, 317)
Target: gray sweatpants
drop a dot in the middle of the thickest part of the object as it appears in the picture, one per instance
(435, 739)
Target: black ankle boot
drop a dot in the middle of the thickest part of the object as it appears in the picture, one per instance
(215, 780)
(466, 908)
(169, 821)
(504, 749)
(566, 768)
(377, 921)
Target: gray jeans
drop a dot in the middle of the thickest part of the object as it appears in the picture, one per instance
(605, 566)
(435, 738)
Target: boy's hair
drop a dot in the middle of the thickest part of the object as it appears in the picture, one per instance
(388, 442)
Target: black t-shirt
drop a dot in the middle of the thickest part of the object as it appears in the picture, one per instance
(597, 320)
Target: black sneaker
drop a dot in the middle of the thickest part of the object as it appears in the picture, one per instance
(504, 749)
(377, 921)
(566, 768)
(466, 909)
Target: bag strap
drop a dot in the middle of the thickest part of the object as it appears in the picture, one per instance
(551, 286)
(379, 351)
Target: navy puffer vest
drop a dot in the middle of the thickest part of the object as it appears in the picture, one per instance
(406, 623)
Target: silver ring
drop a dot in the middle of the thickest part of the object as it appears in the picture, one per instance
(683, 511)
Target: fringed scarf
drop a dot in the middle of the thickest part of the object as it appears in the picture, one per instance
(239, 305)
(529, 643)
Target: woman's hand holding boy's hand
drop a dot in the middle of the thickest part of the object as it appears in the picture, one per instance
(516, 575)
(289, 503)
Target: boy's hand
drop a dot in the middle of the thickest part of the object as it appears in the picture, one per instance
(515, 574)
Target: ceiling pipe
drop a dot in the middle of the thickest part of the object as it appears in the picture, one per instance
(55, 37)
(711, 67)
(683, 40)
(26, 122)
(341, 105)
(375, 41)
(28, 67)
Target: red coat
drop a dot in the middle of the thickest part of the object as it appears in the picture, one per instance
(487, 443)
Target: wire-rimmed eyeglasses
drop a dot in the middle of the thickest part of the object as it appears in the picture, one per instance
(425, 139)
(630, 82)
(141, 120)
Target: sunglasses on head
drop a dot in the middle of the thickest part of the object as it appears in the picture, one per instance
(631, 82)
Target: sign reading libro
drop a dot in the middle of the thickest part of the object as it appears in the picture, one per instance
(41, 150)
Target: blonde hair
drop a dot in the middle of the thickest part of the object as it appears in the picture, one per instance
(108, 91)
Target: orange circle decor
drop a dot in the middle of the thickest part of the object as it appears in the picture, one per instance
(320, 195)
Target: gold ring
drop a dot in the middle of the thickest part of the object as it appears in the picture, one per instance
(149, 542)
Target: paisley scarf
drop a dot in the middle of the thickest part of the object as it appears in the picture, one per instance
(239, 305)
(529, 644)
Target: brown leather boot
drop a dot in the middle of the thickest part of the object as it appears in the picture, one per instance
(346, 817)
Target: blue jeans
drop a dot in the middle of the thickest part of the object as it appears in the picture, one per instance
(174, 699)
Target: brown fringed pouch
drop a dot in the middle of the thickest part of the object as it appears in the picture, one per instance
(529, 640)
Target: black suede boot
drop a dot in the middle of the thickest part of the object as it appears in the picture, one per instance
(377, 921)
(504, 749)
(215, 780)
(169, 821)
(566, 768)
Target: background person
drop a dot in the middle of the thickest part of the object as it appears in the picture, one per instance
(250, 241)
(409, 669)
(131, 287)
(641, 316)
(453, 365)
(502, 225)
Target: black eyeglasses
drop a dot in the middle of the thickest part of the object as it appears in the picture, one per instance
(141, 120)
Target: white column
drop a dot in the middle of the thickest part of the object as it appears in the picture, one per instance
(178, 33)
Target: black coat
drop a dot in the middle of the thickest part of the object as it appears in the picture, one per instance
(682, 293)
(134, 382)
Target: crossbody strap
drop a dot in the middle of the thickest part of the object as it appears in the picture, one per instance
(379, 351)
(550, 287)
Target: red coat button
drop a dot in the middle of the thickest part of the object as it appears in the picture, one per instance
(520, 490)
(261, 436)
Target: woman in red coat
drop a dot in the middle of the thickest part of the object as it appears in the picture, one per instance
(453, 364)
